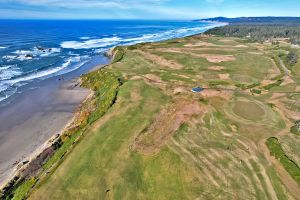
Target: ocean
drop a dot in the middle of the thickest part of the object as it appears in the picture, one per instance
(32, 50)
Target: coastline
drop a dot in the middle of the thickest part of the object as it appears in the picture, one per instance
(52, 140)
(43, 111)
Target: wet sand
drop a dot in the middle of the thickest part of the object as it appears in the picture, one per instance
(41, 111)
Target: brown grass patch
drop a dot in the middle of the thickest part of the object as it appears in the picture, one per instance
(152, 139)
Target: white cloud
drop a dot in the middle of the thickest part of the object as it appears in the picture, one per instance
(155, 9)
(124, 4)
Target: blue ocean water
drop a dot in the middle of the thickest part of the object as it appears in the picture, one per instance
(32, 49)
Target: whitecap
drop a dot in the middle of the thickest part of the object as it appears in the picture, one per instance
(89, 44)
(8, 72)
(85, 38)
(3, 47)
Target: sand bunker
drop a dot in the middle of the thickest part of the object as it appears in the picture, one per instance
(224, 76)
(217, 58)
(241, 46)
(216, 68)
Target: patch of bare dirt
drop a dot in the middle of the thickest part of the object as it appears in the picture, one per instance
(298, 89)
(160, 60)
(152, 139)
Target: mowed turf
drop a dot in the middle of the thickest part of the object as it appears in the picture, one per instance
(216, 153)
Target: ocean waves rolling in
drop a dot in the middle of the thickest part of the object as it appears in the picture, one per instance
(42, 55)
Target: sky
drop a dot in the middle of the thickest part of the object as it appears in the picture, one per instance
(144, 9)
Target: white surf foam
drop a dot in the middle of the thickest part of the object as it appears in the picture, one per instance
(22, 55)
(8, 72)
(90, 44)
(85, 38)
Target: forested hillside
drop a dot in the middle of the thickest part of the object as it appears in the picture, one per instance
(259, 29)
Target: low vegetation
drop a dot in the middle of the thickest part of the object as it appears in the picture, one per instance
(260, 29)
(278, 153)
(159, 140)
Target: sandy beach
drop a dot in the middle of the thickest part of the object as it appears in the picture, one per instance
(40, 112)
(33, 119)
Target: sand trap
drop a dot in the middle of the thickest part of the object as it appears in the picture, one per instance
(224, 76)
(241, 46)
(153, 77)
(216, 68)
(217, 58)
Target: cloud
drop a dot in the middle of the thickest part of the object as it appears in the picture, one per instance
(151, 9)
(123, 4)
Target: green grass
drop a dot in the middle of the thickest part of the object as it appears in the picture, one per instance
(248, 110)
(207, 147)
(277, 151)
(103, 160)
(105, 86)
(275, 84)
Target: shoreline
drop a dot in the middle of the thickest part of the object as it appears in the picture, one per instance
(10, 182)
(43, 111)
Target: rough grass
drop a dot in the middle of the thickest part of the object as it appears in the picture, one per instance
(248, 110)
(277, 151)
(214, 155)
(104, 161)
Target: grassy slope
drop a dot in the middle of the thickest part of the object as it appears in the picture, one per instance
(214, 155)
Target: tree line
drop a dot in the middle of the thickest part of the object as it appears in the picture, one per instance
(259, 32)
